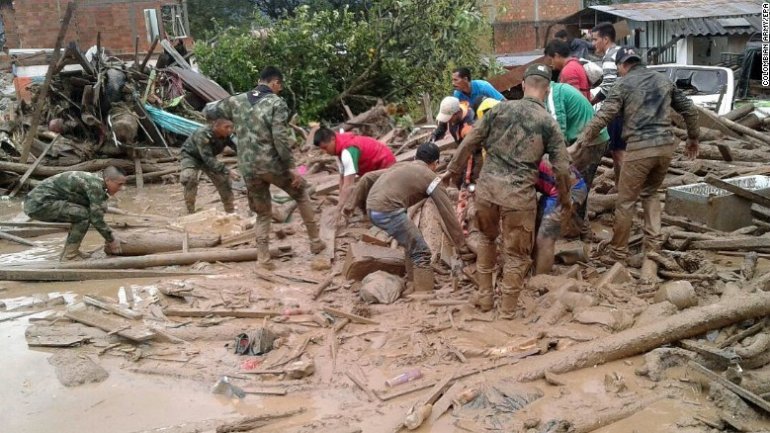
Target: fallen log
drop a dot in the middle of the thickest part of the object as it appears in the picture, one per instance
(93, 165)
(12, 274)
(686, 324)
(739, 112)
(255, 422)
(732, 244)
(139, 243)
(170, 259)
(740, 129)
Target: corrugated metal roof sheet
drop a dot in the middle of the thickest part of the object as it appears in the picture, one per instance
(714, 26)
(680, 9)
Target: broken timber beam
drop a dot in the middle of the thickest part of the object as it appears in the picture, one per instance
(686, 324)
(27, 274)
(363, 259)
(111, 324)
(740, 192)
(34, 166)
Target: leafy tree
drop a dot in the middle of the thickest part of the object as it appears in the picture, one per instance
(391, 49)
(205, 15)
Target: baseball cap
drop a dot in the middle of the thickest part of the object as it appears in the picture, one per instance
(625, 54)
(449, 106)
(538, 69)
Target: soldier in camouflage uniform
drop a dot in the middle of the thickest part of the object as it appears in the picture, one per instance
(199, 153)
(645, 98)
(79, 198)
(515, 135)
(264, 156)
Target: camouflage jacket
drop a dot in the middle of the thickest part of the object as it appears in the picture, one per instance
(644, 98)
(201, 148)
(78, 187)
(262, 132)
(515, 135)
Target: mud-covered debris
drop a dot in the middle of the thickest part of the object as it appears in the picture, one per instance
(381, 287)
(659, 360)
(73, 369)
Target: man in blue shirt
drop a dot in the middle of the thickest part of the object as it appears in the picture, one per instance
(473, 91)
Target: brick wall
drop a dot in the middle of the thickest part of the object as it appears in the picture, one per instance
(517, 20)
(516, 37)
(36, 23)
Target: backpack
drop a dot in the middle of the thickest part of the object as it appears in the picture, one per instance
(593, 71)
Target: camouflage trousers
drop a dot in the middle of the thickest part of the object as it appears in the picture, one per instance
(518, 231)
(60, 211)
(189, 179)
(260, 202)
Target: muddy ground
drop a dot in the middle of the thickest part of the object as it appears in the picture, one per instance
(165, 386)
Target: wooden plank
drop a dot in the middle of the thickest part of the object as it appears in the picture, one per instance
(33, 274)
(174, 54)
(737, 389)
(740, 192)
(445, 402)
(111, 306)
(33, 232)
(247, 314)
(363, 259)
(42, 96)
(110, 324)
(34, 166)
(353, 318)
(723, 356)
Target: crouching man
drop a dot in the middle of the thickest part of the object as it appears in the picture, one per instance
(387, 195)
(79, 198)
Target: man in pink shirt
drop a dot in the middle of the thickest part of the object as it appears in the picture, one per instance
(356, 156)
(570, 69)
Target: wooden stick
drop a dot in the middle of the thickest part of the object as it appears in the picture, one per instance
(354, 318)
(359, 383)
(149, 54)
(13, 238)
(320, 287)
(138, 170)
(42, 96)
(740, 192)
(33, 166)
(106, 304)
(739, 390)
(136, 50)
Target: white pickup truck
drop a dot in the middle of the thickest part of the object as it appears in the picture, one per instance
(703, 84)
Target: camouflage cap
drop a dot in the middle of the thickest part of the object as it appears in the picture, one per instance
(538, 69)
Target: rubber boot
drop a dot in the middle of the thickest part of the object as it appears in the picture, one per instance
(485, 300)
(264, 261)
(510, 288)
(72, 252)
(649, 273)
(229, 206)
(313, 232)
(423, 279)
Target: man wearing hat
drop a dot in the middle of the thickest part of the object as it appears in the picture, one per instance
(457, 116)
(515, 135)
(645, 98)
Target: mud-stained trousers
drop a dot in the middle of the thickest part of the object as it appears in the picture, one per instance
(260, 202)
(189, 179)
(639, 178)
(403, 230)
(60, 211)
(518, 231)
(587, 161)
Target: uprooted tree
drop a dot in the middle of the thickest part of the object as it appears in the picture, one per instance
(393, 50)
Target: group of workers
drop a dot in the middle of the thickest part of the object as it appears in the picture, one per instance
(550, 142)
